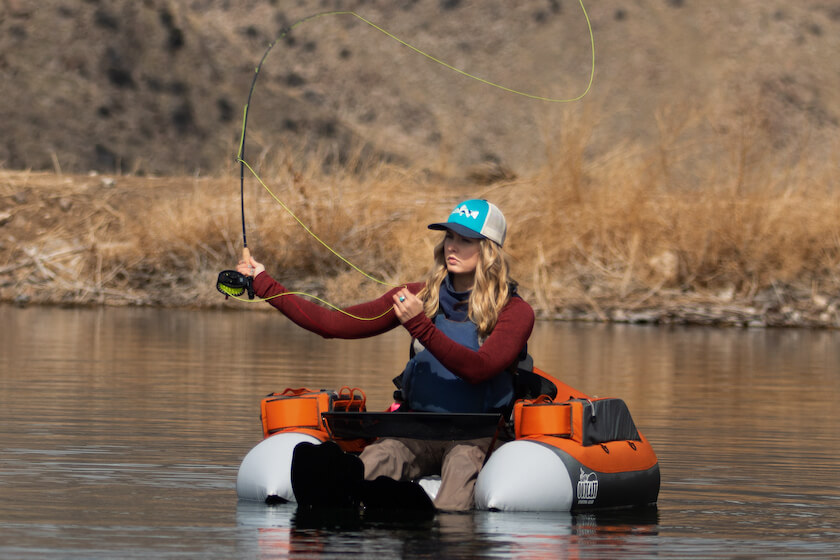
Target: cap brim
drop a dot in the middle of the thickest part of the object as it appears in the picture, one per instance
(463, 231)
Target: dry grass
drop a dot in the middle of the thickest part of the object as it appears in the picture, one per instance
(635, 228)
(698, 221)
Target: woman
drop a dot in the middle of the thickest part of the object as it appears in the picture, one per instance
(469, 329)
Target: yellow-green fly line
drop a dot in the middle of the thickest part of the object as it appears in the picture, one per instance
(245, 165)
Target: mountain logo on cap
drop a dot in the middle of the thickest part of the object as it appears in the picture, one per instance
(464, 211)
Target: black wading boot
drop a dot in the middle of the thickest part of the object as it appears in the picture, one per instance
(324, 476)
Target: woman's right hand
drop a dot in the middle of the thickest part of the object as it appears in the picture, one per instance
(250, 267)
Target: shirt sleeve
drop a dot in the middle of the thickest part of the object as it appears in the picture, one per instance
(378, 315)
(499, 351)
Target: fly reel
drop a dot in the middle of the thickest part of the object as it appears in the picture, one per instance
(233, 283)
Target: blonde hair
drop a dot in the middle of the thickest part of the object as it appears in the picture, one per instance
(490, 292)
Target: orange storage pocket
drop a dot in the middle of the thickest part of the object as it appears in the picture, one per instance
(294, 408)
(551, 419)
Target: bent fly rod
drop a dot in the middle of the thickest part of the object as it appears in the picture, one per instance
(231, 282)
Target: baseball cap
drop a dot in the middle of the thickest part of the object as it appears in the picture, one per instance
(476, 219)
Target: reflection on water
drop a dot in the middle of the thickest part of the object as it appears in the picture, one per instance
(121, 431)
(282, 531)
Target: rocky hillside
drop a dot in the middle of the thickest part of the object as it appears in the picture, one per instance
(158, 86)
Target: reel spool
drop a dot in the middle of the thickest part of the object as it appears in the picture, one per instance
(233, 283)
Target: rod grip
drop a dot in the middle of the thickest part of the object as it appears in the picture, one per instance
(246, 255)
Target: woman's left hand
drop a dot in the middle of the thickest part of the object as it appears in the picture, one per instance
(407, 305)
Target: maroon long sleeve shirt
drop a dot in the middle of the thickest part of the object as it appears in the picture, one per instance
(499, 351)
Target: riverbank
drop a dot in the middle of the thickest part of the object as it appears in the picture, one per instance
(757, 260)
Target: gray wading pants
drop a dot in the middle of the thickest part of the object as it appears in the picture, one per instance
(457, 463)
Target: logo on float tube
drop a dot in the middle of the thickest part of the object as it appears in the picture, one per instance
(587, 487)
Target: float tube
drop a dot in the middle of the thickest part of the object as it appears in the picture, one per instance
(561, 450)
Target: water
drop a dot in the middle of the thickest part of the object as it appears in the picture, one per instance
(121, 431)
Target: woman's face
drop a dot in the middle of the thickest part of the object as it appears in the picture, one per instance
(461, 255)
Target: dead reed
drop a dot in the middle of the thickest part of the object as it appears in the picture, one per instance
(680, 225)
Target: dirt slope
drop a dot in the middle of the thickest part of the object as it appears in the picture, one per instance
(158, 86)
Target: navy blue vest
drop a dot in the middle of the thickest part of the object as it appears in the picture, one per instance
(428, 386)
